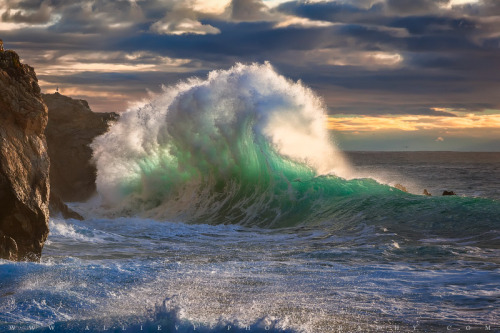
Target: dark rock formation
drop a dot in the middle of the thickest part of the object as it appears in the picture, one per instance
(58, 207)
(448, 193)
(72, 127)
(401, 187)
(427, 193)
(24, 162)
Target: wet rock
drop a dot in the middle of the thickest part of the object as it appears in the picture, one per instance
(427, 193)
(401, 187)
(8, 247)
(72, 127)
(448, 193)
(24, 161)
(58, 208)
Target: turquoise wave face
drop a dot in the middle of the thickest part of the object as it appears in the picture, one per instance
(249, 147)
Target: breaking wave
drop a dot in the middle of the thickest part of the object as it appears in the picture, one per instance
(248, 146)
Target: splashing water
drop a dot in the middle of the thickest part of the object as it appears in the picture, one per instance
(240, 138)
(247, 146)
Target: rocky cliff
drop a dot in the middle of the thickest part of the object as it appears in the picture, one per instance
(24, 162)
(72, 127)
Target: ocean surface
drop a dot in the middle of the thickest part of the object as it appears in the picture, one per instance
(224, 206)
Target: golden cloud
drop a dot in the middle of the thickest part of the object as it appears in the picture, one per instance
(412, 122)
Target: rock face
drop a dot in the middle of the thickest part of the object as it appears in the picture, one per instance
(72, 127)
(401, 187)
(24, 162)
(58, 207)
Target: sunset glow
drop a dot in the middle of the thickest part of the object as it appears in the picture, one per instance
(417, 69)
(413, 123)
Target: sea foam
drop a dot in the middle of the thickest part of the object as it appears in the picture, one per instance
(245, 125)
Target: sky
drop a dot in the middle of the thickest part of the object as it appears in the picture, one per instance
(394, 74)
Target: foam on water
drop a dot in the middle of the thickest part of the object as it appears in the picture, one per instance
(247, 146)
(246, 132)
(307, 280)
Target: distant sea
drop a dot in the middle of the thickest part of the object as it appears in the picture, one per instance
(472, 174)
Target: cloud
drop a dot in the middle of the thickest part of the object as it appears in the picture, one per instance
(293, 21)
(333, 11)
(412, 123)
(419, 25)
(416, 6)
(362, 57)
(40, 16)
(183, 26)
(88, 61)
(249, 10)
(181, 19)
(214, 7)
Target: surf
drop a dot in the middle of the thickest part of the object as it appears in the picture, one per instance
(248, 146)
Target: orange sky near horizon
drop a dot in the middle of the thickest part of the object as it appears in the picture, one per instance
(413, 122)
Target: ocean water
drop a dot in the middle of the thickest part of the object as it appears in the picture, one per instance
(224, 206)
(471, 174)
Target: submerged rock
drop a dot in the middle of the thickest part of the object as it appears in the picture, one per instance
(401, 187)
(72, 127)
(24, 162)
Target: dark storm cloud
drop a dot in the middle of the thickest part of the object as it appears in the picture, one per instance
(380, 56)
(451, 33)
(415, 6)
(41, 16)
(334, 11)
(349, 90)
(249, 10)
(418, 25)
(244, 41)
(28, 5)
(484, 8)
(116, 81)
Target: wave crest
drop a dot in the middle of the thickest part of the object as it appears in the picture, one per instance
(234, 144)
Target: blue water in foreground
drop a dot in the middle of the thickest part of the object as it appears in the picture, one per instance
(420, 268)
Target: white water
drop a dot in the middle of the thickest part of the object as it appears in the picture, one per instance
(198, 127)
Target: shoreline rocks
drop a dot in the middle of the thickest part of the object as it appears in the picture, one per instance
(71, 128)
(449, 193)
(58, 207)
(24, 162)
